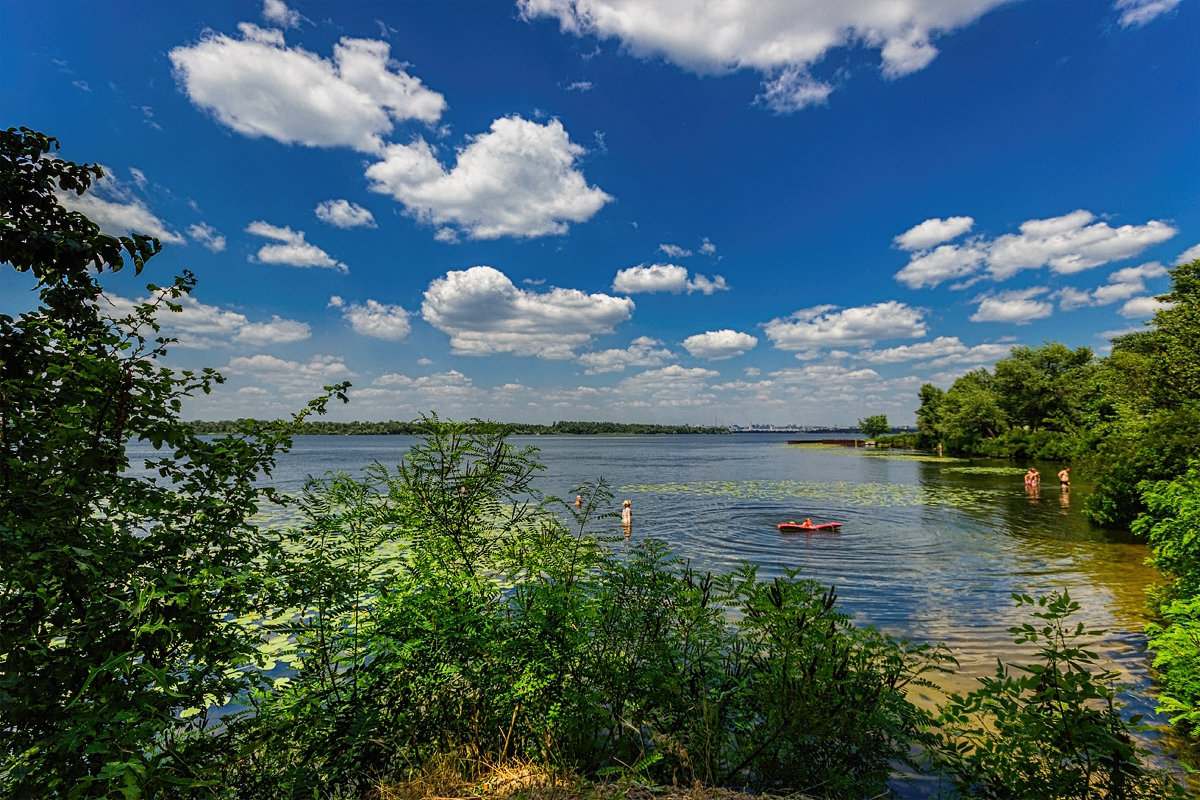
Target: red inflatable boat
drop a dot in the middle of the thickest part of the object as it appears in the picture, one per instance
(790, 527)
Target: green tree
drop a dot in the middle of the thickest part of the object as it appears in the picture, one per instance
(1044, 387)
(117, 592)
(1152, 427)
(929, 416)
(873, 426)
(971, 412)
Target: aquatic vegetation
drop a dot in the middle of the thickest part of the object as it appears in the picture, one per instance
(986, 470)
(880, 495)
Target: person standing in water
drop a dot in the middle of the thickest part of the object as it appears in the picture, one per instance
(1064, 479)
(627, 517)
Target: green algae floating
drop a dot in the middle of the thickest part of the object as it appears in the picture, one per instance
(876, 495)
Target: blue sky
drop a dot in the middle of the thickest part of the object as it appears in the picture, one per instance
(676, 212)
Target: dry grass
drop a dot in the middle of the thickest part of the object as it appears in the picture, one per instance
(444, 779)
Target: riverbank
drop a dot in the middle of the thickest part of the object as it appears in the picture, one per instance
(515, 780)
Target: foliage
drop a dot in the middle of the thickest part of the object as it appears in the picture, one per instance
(1171, 523)
(1050, 730)
(876, 425)
(116, 591)
(508, 631)
(1035, 404)
(929, 416)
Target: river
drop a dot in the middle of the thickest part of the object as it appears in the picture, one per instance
(929, 549)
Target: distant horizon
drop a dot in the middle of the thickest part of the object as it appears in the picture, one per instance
(623, 209)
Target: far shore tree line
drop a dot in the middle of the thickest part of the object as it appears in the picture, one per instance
(417, 428)
(439, 614)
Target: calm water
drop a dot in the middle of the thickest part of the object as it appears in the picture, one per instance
(929, 549)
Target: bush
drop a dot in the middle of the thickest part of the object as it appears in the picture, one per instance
(1171, 524)
(1052, 730)
(506, 631)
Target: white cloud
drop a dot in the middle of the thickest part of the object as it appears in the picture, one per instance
(655, 278)
(823, 326)
(374, 319)
(783, 40)
(201, 326)
(948, 262)
(277, 12)
(293, 251)
(1142, 307)
(111, 206)
(939, 352)
(291, 376)
(484, 313)
(717, 345)
(1067, 244)
(1122, 284)
(665, 278)
(672, 386)
(518, 179)
(1191, 254)
(643, 351)
(826, 375)
(1018, 307)
(707, 247)
(344, 214)
(207, 235)
(937, 348)
(702, 284)
(259, 87)
(674, 251)
(933, 231)
(277, 331)
(1136, 13)
(580, 86)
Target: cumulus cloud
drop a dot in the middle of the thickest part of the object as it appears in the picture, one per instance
(672, 386)
(1136, 13)
(344, 214)
(942, 351)
(112, 206)
(291, 376)
(277, 13)
(293, 250)
(643, 351)
(674, 251)
(828, 375)
(1122, 284)
(1142, 307)
(484, 313)
(782, 40)
(1068, 244)
(260, 87)
(201, 326)
(518, 179)
(1019, 306)
(207, 235)
(933, 231)
(825, 326)
(717, 345)
(702, 284)
(665, 278)
(1191, 254)
(374, 319)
